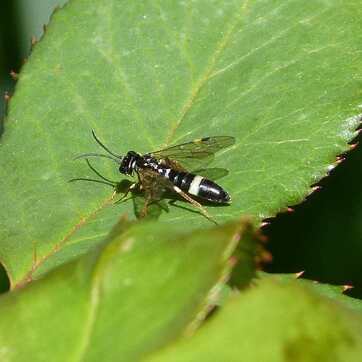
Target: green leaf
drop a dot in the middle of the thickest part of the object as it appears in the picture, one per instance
(283, 78)
(327, 229)
(274, 322)
(141, 291)
(333, 292)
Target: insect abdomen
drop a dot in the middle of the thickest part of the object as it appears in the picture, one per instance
(198, 186)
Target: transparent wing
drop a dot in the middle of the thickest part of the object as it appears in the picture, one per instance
(212, 173)
(195, 153)
(153, 184)
(190, 163)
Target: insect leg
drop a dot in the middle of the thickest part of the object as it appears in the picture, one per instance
(129, 189)
(99, 174)
(151, 184)
(140, 181)
(148, 200)
(194, 203)
(151, 196)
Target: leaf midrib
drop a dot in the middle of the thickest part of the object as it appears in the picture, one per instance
(207, 74)
(28, 277)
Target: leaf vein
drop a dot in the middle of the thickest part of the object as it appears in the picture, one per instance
(221, 45)
(58, 246)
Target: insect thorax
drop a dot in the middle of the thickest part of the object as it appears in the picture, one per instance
(129, 163)
(151, 162)
(133, 161)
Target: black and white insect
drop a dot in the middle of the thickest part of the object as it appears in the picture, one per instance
(177, 168)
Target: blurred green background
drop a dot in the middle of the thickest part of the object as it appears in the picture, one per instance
(322, 237)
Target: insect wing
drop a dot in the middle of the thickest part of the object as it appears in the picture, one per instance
(198, 148)
(212, 173)
(188, 163)
(153, 184)
(196, 153)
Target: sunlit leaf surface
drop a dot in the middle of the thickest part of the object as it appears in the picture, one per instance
(283, 78)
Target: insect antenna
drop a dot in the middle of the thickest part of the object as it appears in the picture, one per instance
(104, 180)
(91, 180)
(112, 156)
(86, 155)
(99, 174)
(103, 146)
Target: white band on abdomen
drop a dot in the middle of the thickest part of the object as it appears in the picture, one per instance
(195, 185)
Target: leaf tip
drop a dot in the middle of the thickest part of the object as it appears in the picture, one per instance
(7, 97)
(299, 274)
(331, 167)
(14, 75)
(316, 188)
(264, 224)
(353, 146)
(346, 287)
(33, 41)
(340, 159)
